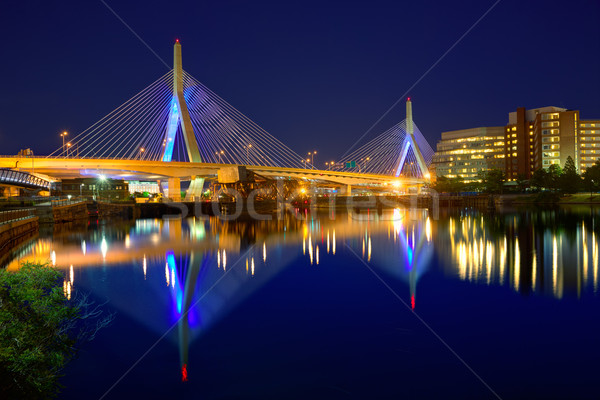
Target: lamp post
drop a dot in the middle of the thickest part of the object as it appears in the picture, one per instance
(141, 152)
(220, 154)
(65, 133)
(68, 147)
(248, 152)
(312, 156)
(81, 189)
(366, 160)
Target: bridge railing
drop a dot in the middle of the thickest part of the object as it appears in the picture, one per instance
(66, 202)
(15, 215)
(10, 176)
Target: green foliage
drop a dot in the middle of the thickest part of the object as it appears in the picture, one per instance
(37, 330)
(569, 181)
(591, 178)
(539, 179)
(450, 185)
(492, 181)
(522, 182)
(34, 346)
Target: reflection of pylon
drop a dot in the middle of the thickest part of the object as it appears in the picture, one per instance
(179, 115)
(184, 287)
(409, 142)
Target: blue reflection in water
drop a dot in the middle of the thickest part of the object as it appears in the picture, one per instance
(468, 267)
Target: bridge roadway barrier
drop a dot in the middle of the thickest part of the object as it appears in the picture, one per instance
(16, 226)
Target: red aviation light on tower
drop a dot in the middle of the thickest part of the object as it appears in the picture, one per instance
(408, 99)
(176, 40)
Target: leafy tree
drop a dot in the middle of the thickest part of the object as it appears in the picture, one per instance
(539, 179)
(569, 181)
(37, 330)
(553, 176)
(522, 182)
(444, 184)
(591, 178)
(492, 181)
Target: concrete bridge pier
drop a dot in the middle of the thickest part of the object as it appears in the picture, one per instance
(172, 189)
(194, 191)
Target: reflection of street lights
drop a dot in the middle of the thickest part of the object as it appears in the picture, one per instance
(65, 133)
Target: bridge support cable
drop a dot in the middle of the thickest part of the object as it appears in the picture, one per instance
(125, 130)
(221, 127)
(402, 150)
(178, 118)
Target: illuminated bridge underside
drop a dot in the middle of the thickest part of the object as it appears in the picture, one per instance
(67, 168)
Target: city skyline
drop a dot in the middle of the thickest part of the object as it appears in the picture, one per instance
(300, 84)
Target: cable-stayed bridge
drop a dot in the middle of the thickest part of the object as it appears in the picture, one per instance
(177, 129)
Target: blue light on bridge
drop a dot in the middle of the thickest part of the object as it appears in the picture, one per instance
(171, 132)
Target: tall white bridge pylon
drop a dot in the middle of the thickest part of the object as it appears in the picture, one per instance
(177, 118)
(401, 151)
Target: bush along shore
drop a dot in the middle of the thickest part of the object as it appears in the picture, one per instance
(40, 330)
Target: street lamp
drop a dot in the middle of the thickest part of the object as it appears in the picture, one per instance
(312, 156)
(68, 146)
(220, 154)
(248, 152)
(80, 189)
(65, 133)
(366, 160)
(141, 152)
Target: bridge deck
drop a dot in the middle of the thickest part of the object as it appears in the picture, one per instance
(66, 168)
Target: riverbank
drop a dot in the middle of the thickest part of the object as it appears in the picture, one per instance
(549, 198)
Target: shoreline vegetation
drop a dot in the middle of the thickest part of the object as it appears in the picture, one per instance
(554, 185)
(40, 330)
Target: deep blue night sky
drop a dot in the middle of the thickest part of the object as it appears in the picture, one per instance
(316, 74)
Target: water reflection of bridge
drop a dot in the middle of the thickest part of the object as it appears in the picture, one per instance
(196, 254)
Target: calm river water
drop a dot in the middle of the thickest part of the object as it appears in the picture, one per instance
(337, 306)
